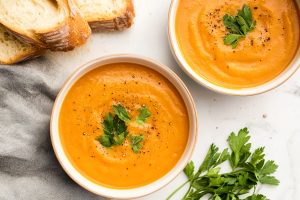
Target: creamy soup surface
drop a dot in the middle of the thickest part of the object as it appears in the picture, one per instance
(165, 131)
(261, 56)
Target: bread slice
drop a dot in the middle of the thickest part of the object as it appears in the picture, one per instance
(107, 15)
(53, 24)
(13, 50)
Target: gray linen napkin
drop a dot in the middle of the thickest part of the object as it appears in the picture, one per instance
(28, 166)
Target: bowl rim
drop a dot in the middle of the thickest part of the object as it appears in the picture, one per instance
(291, 69)
(84, 182)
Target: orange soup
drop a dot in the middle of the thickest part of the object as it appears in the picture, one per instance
(153, 110)
(259, 57)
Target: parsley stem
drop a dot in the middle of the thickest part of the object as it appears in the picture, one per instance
(173, 193)
(190, 187)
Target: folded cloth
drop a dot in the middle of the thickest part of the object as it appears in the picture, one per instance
(28, 167)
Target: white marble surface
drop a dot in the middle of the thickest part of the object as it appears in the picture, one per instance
(28, 168)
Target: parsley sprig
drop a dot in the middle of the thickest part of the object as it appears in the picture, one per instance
(238, 26)
(248, 170)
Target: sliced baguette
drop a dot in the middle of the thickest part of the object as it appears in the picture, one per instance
(107, 15)
(13, 50)
(53, 24)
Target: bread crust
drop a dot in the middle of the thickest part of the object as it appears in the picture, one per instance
(119, 23)
(19, 55)
(34, 53)
(72, 32)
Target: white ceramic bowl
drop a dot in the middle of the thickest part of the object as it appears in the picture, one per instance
(284, 76)
(123, 193)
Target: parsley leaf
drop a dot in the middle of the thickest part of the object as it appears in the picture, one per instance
(270, 180)
(189, 169)
(216, 197)
(257, 156)
(105, 140)
(121, 112)
(238, 26)
(209, 159)
(243, 25)
(231, 24)
(119, 139)
(256, 197)
(119, 126)
(144, 113)
(223, 157)
(269, 168)
(246, 14)
(265, 170)
(240, 148)
(232, 39)
(213, 158)
(248, 170)
(108, 124)
(136, 142)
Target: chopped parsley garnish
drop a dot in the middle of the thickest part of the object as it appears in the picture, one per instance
(115, 128)
(115, 131)
(238, 26)
(135, 142)
(144, 113)
(248, 170)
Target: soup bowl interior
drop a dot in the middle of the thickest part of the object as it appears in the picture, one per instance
(280, 79)
(123, 193)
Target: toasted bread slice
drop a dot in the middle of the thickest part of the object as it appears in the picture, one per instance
(107, 15)
(13, 50)
(53, 24)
